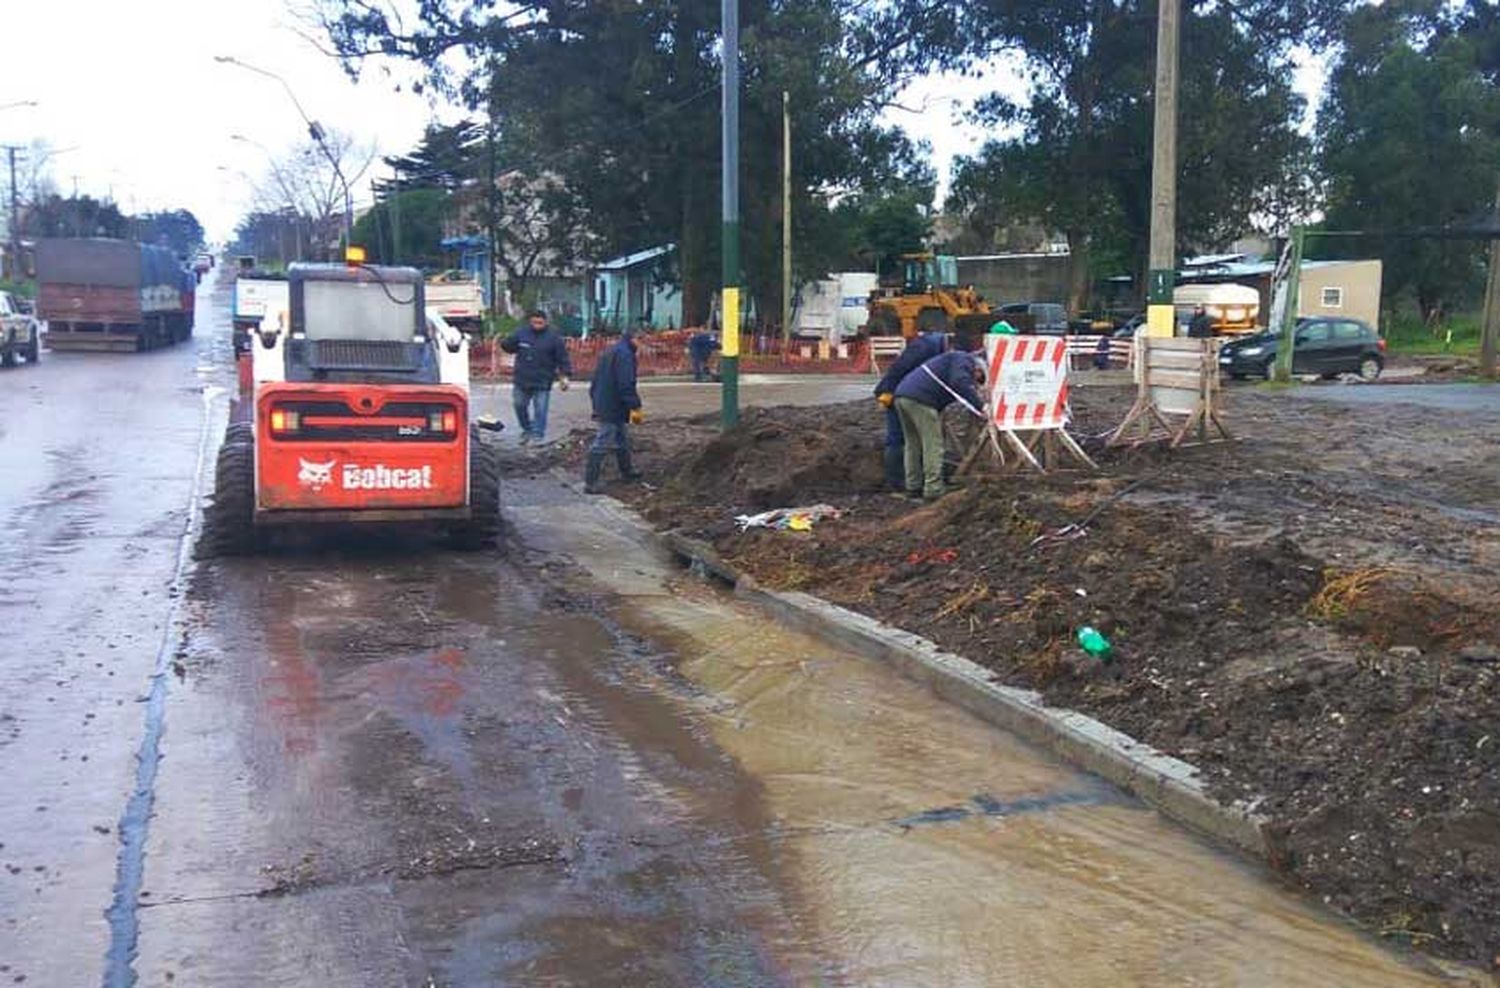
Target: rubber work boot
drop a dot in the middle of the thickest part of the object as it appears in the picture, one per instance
(895, 468)
(592, 470)
(627, 468)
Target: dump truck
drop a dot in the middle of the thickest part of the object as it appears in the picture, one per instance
(97, 293)
(927, 297)
(359, 415)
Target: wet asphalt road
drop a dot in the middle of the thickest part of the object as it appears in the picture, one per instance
(381, 763)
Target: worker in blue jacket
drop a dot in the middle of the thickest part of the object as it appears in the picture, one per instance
(541, 361)
(701, 347)
(920, 349)
(920, 399)
(617, 406)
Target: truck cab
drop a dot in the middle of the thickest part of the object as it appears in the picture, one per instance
(20, 334)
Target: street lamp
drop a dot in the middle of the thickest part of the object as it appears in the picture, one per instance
(314, 130)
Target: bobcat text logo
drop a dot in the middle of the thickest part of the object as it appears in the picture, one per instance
(383, 478)
(315, 475)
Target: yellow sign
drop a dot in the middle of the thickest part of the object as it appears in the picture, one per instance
(731, 342)
(1161, 320)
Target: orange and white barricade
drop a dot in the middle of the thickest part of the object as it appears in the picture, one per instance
(1027, 385)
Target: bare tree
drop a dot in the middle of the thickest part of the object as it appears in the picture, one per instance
(305, 182)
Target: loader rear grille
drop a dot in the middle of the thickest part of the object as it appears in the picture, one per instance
(361, 355)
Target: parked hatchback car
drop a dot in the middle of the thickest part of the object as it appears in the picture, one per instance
(1325, 347)
(1051, 318)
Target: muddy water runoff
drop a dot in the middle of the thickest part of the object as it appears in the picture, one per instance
(924, 847)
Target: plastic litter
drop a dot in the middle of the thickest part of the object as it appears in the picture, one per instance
(1095, 644)
(788, 519)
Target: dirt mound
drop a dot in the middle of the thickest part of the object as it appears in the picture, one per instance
(784, 459)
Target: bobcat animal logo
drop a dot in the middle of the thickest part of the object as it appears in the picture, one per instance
(315, 475)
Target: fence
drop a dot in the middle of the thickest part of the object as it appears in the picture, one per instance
(665, 355)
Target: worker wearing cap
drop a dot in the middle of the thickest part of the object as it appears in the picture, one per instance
(920, 349)
(541, 361)
(617, 406)
(920, 400)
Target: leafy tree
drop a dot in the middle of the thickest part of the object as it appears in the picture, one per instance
(1080, 163)
(74, 216)
(449, 157)
(178, 229)
(1408, 138)
(406, 228)
(620, 103)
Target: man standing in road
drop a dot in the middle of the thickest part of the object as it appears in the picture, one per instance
(541, 359)
(920, 400)
(918, 351)
(617, 406)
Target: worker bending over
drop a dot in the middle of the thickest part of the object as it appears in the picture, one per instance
(920, 399)
(919, 350)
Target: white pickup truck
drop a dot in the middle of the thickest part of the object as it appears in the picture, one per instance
(458, 297)
(256, 297)
(20, 333)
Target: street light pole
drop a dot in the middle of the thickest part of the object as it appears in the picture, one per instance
(729, 363)
(315, 131)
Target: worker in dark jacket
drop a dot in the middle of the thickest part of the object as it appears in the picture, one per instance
(617, 406)
(919, 350)
(920, 400)
(701, 347)
(1201, 327)
(541, 360)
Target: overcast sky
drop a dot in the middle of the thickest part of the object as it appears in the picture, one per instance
(157, 134)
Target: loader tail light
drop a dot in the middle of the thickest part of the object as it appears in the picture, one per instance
(284, 420)
(444, 421)
(1380, 344)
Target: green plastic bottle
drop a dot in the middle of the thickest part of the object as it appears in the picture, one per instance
(1095, 644)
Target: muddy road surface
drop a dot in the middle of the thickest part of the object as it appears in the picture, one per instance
(372, 763)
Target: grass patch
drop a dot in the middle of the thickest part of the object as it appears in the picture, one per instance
(1410, 335)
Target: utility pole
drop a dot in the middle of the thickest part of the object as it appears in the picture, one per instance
(15, 216)
(729, 362)
(1162, 276)
(1490, 335)
(786, 216)
(1288, 340)
(491, 215)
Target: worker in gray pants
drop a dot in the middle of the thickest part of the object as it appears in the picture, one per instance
(920, 400)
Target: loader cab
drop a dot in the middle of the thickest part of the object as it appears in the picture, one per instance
(359, 324)
(924, 273)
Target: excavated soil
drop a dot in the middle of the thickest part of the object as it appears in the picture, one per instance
(1310, 614)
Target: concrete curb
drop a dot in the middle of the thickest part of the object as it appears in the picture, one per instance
(1169, 785)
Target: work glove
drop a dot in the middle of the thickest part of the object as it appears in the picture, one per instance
(637, 416)
(562, 383)
(886, 399)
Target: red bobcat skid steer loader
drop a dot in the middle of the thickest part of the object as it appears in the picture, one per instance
(359, 415)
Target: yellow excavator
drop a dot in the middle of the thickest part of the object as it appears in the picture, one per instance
(928, 297)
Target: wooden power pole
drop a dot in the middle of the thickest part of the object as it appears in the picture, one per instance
(1162, 274)
(1490, 334)
(786, 216)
